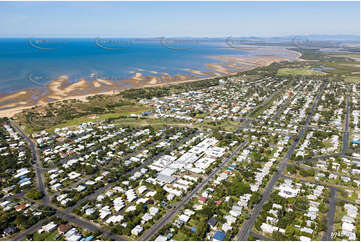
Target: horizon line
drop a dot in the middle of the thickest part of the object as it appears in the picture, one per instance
(153, 37)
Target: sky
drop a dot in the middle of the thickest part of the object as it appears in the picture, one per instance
(177, 19)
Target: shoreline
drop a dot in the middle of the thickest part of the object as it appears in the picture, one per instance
(61, 89)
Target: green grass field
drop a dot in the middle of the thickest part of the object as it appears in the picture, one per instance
(352, 79)
(45, 236)
(299, 71)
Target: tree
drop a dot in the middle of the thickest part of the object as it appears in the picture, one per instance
(22, 221)
(90, 170)
(255, 198)
(290, 230)
(35, 194)
(292, 169)
(160, 195)
(276, 235)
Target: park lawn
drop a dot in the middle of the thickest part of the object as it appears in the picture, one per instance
(353, 79)
(78, 121)
(135, 122)
(339, 213)
(133, 109)
(180, 236)
(82, 110)
(327, 182)
(343, 65)
(202, 115)
(231, 126)
(354, 196)
(299, 71)
(193, 222)
(29, 130)
(318, 236)
(346, 70)
(149, 121)
(123, 111)
(355, 57)
(45, 236)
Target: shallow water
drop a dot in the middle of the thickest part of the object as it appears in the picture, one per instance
(23, 65)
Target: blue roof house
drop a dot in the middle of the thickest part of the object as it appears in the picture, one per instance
(219, 236)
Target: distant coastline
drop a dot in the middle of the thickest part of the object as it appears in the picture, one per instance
(62, 89)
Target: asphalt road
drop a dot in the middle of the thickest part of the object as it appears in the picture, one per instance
(102, 189)
(45, 201)
(346, 133)
(22, 235)
(35, 159)
(247, 227)
(282, 108)
(331, 209)
(173, 212)
(322, 170)
(66, 214)
(330, 215)
(248, 120)
(284, 105)
(259, 236)
(89, 226)
(268, 99)
(86, 151)
(244, 125)
(320, 157)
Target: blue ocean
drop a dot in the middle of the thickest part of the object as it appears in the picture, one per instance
(31, 63)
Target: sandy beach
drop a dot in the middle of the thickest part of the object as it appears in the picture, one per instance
(62, 89)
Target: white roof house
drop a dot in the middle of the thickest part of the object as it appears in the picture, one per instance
(142, 189)
(230, 219)
(306, 230)
(184, 218)
(137, 230)
(114, 219)
(267, 228)
(146, 217)
(348, 227)
(287, 191)
(73, 175)
(305, 238)
(153, 210)
(49, 227)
